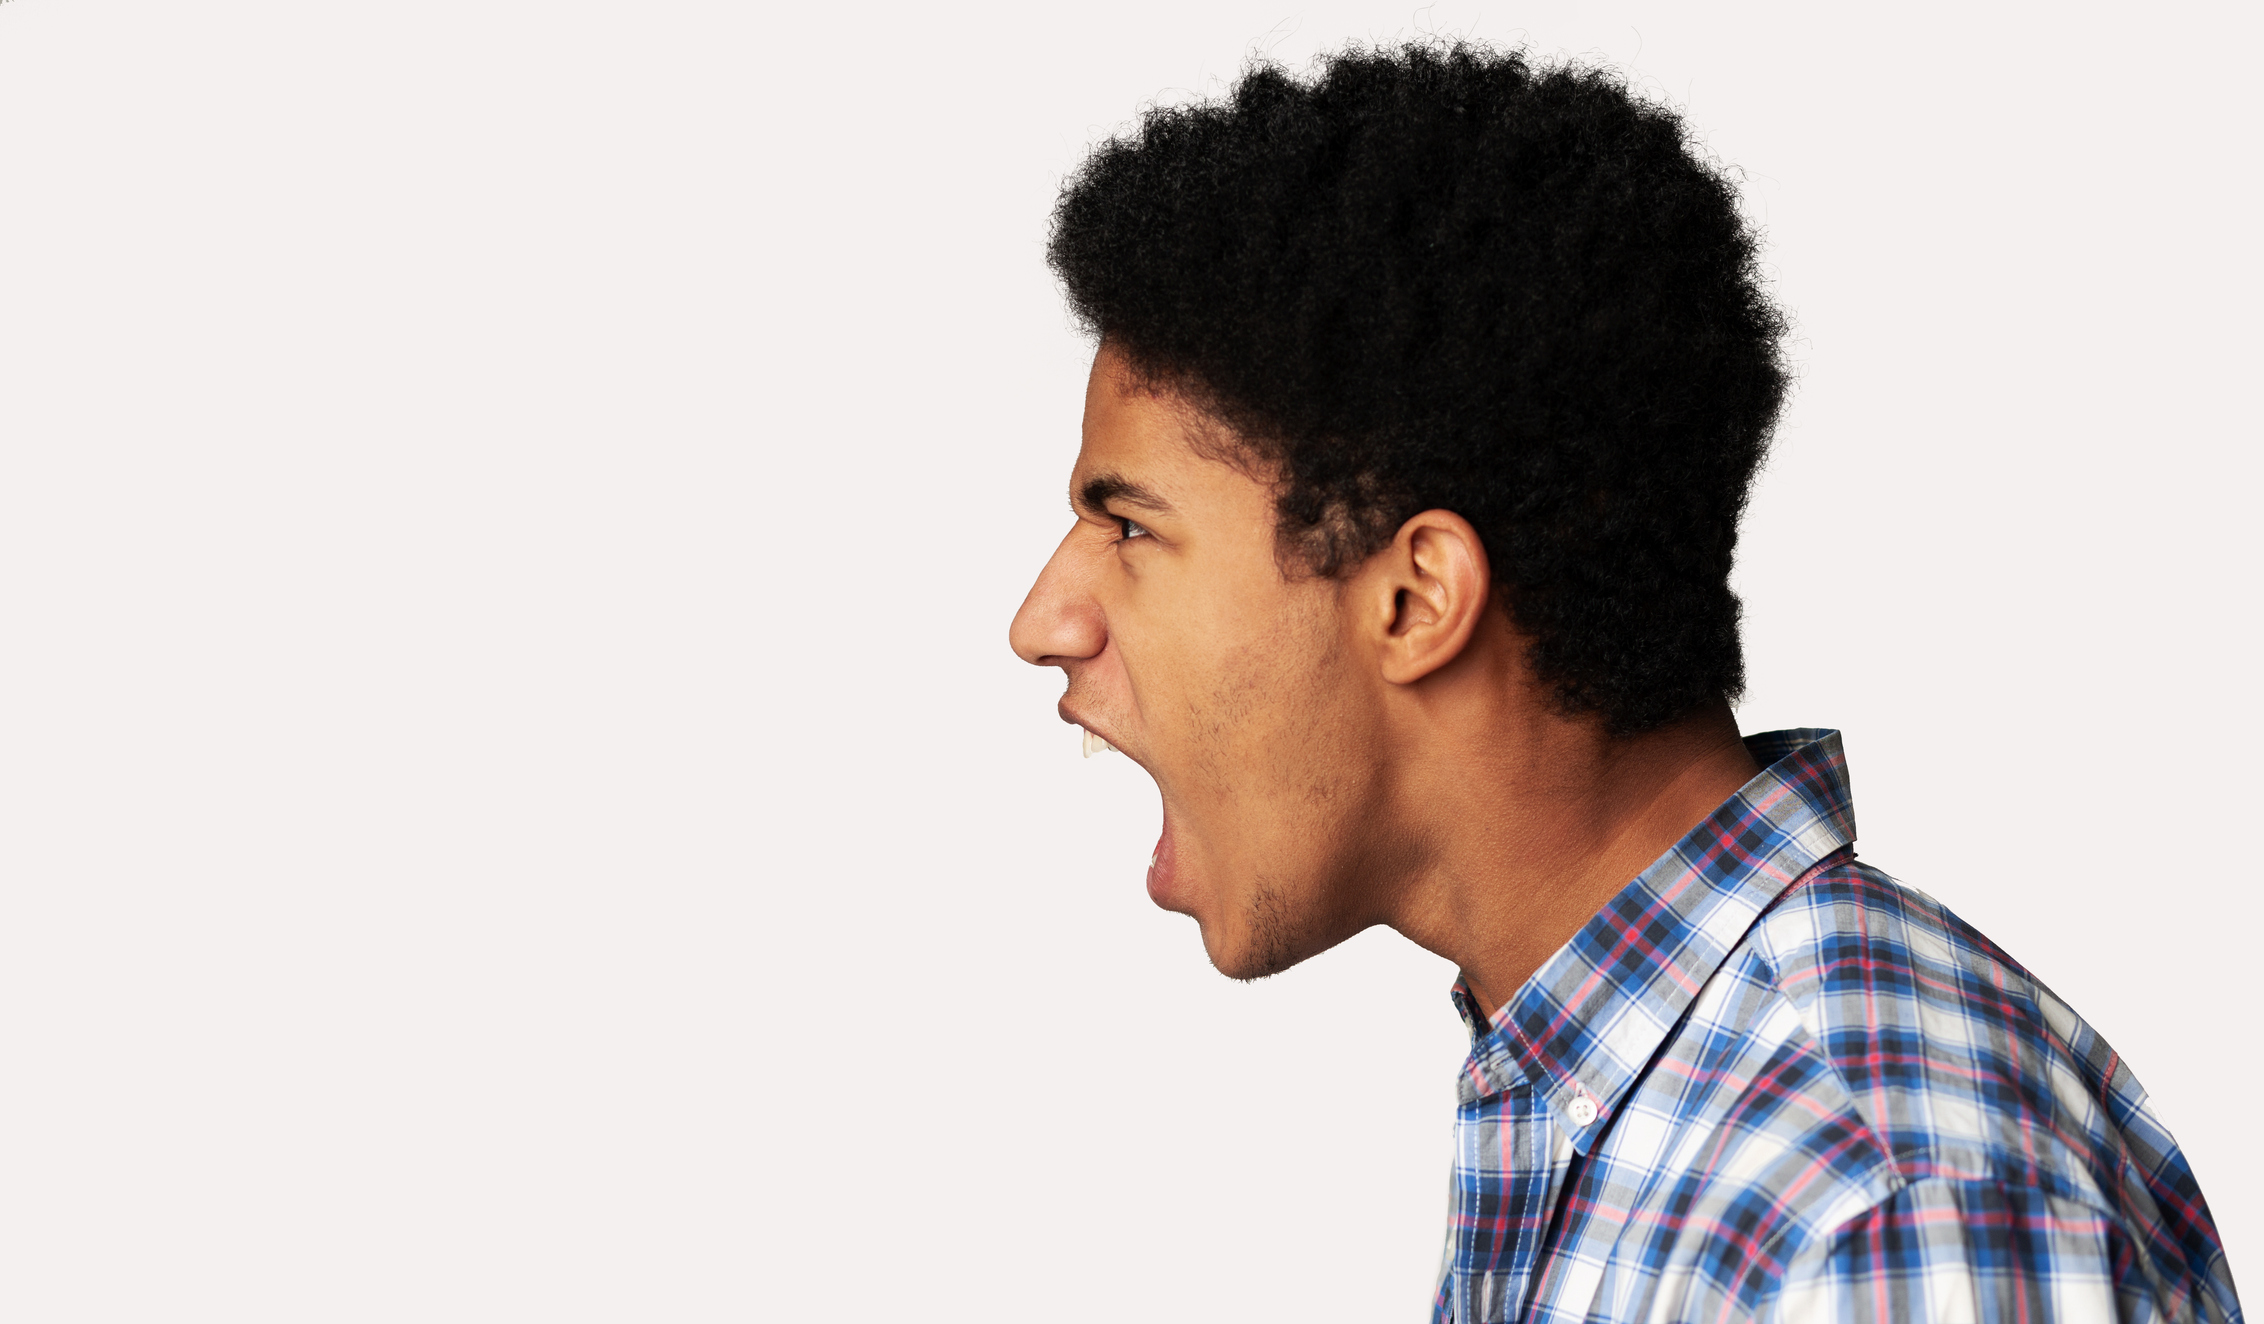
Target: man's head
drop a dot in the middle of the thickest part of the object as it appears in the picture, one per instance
(1431, 350)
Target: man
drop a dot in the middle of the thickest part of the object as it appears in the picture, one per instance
(1427, 397)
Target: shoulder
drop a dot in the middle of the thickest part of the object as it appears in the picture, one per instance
(1865, 1070)
(1958, 1060)
(1968, 1074)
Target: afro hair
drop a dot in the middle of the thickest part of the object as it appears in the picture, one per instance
(1443, 277)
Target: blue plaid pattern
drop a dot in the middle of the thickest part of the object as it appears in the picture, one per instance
(1769, 1083)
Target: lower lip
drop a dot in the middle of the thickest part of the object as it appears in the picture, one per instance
(1161, 868)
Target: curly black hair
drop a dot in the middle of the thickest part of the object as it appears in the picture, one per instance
(1440, 276)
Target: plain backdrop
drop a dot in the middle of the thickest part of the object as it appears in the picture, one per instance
(515, 803)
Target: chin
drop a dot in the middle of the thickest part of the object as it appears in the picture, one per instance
(1242, 965)
(1254, 952)
(1251, 966)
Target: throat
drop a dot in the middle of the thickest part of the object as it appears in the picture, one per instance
(1531, 857)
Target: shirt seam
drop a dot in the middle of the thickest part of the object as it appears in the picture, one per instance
(1781, 1240)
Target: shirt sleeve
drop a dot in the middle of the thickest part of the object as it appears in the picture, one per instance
(1943, 1251)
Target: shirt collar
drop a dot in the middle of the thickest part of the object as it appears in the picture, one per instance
(1590, 1019)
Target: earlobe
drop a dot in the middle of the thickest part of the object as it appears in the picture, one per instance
(1440, 584)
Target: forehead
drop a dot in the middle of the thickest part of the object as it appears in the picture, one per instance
(1156, 440)
(1125, 421)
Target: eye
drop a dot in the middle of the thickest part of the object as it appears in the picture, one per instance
(1130, 528)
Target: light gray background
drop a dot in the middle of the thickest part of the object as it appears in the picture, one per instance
(514, 799)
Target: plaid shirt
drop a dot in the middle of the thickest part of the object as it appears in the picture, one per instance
(1767, 1082)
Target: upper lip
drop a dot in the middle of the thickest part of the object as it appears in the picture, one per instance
(1074, 720)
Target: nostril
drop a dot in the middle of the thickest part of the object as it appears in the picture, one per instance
(1059, 622)
(1057, 634)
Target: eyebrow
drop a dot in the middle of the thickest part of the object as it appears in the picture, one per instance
(1101, 489)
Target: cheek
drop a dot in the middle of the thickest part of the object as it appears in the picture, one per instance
(1279, 714)
(1243, 691)
(1189, 660)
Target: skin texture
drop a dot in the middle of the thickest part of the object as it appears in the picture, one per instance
(1335, 753)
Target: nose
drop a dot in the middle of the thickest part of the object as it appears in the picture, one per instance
(1060, 622)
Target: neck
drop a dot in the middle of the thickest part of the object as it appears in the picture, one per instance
(1530, 821)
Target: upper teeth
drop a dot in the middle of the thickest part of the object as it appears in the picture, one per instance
(1094, 744)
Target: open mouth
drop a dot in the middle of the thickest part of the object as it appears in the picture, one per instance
(1162, 862)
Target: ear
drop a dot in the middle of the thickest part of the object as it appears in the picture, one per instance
(1424, 595)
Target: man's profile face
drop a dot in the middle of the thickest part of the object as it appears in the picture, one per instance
(1234, 685)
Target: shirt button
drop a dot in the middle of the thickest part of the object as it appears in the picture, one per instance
(1582, 1110)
